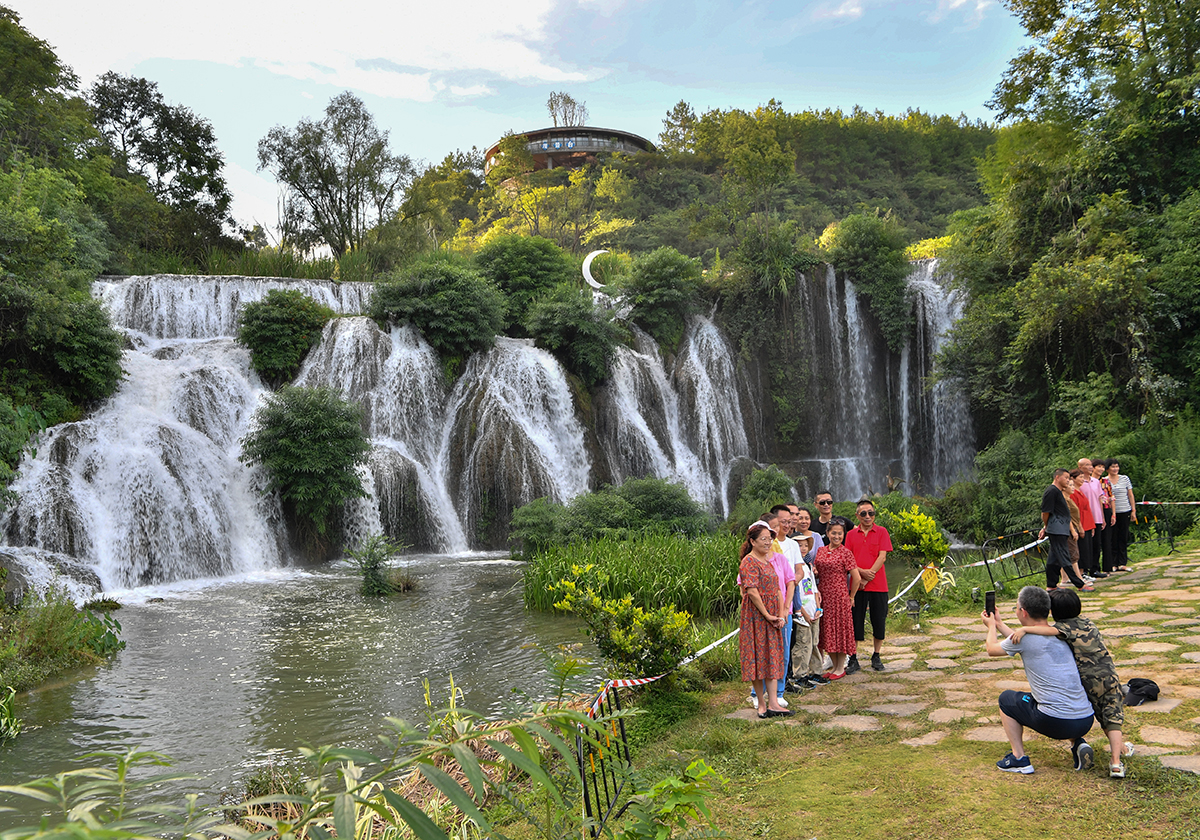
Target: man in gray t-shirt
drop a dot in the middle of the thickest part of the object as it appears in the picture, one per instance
(1056, 704)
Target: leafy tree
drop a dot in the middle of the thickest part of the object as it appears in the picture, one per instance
(663, 289)
(342, 179)
(39, 116)
(679, 126)
(453, 305)
(310, 441)
(566, 110)
(442, 199)
(524, 268)
(279, 330)
(169, 146)
(581, 335)
(871, 251)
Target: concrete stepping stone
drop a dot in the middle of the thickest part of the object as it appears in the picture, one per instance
(1144, 617)
(901, 698)
(1161, 705)
(1186, 763)
(855, 723)
(897, 709)
(1139, 661)
(817, 708)
(948, 715)
(1178, 595)
(903, 641)
(1120, 631)
(1146, 749)
(970, 637)
(940, 664)
(918, 676)
(940, 631)
(946, 644)
(1161, 583)
(956, 696)
(1148, 647)
(957, 685)
(1191, 655)
(1189, 691)
(953, 619)
(926, 740)
(1167, 735)
(1194, 641)
(1181, 622)
(1012, 685)
(989, 734)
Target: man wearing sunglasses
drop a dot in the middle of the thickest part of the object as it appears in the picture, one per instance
(824, 503)
(870, 544)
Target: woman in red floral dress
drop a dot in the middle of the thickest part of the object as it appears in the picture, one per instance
(760, 643)
(833, 562)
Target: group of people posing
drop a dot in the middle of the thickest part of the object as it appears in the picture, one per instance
(807, 587)
(1086, 513)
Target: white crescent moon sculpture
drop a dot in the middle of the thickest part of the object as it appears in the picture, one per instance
(587, 269)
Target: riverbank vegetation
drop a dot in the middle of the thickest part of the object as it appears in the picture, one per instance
(47, 635)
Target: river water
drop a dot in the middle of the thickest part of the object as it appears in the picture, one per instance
(227, 675)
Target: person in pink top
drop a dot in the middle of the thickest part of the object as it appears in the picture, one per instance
(1092, 491)
(870, 544)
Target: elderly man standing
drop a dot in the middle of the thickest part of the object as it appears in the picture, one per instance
(1056, 705)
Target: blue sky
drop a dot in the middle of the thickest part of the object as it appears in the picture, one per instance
(459, 73)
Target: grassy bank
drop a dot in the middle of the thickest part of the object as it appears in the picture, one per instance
(48, 635)
(697, 575)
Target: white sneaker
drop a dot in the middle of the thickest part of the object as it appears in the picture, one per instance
(1088, 579)
(1128, 748)
(753, 701)
(783, 702)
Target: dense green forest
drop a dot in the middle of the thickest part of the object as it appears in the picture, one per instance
(1073, 223)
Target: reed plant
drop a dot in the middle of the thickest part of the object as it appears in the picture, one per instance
(270, 262)
(697, 575)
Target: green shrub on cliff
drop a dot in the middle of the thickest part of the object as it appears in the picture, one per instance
(581, 335)
(279, 330)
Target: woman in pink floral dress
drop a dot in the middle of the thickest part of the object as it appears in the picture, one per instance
(760, 643)
(833, 562)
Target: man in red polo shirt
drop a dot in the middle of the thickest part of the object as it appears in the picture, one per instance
(870, 544)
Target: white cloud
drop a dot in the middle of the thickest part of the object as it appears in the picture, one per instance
(848, 10)
(312, 40)
(974, 10)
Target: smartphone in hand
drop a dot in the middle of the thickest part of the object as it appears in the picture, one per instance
(989, 602)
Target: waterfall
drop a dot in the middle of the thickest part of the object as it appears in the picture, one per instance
(938, 441)
(184, 306)
(149, 488)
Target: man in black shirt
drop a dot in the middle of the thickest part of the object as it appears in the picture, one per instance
(1056, 524)
(824, 503)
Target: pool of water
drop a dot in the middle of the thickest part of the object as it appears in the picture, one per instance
(225, 676)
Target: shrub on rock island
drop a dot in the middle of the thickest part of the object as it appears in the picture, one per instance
(311, 442)
(279, 330)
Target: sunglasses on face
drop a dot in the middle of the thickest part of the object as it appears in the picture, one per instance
(866, 514)
(825, 502)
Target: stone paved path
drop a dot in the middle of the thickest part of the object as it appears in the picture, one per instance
(938, 685)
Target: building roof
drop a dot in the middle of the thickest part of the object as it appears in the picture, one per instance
(572, 145)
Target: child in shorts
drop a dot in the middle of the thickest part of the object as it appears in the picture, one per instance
(1097, 673)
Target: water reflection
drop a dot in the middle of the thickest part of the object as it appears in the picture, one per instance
(221, 674)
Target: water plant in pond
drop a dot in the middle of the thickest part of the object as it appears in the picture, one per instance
(10, 724)
(371, 557)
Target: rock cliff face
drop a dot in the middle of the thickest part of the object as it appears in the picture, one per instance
(150, 489)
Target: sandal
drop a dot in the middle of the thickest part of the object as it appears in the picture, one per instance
(774, 713)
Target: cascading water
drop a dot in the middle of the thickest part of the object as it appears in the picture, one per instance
(149, 488)
(938, 443)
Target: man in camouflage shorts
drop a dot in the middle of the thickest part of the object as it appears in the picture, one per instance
(1097, 673)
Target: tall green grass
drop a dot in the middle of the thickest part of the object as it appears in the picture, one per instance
(697, 575)
(47, 635)
(270, 262)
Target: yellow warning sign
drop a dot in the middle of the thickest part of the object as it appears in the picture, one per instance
(929, 577)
